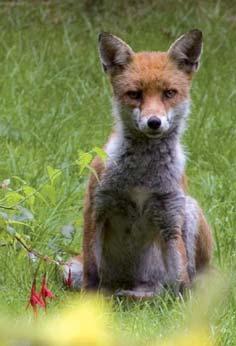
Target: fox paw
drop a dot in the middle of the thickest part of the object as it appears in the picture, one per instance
(135, 294)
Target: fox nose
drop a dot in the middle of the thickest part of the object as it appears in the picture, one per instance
(154, 123)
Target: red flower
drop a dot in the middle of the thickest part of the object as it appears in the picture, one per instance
(68, 281)
(45, 291)
(35, 299)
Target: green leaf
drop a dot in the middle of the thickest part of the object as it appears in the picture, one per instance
(84, 160)
(101, 153)
(19, 179)
(30, 195)
(13, 198)
(53, 173)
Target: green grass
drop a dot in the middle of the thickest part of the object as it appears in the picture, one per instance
(55, 100)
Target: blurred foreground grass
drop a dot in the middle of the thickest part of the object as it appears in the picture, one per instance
(89, 321)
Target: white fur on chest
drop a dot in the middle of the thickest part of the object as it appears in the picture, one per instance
(139, 196)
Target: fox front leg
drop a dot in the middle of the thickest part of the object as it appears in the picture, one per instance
(166, 213)
(176, 262)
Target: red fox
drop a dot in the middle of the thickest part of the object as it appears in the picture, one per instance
(142, 231)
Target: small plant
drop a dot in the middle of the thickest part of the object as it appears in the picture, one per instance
(18, 210)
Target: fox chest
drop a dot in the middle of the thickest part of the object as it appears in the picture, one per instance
(127, 214)
(129, 238)
(132, 221)
(134, 217)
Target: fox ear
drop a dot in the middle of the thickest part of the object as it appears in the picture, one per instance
(186, 51)
(113, 52)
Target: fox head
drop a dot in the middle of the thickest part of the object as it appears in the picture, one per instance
(151, 89)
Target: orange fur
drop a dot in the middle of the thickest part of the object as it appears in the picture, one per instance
(89, 222)
(151, 72)
(182, 250)
(204, 244)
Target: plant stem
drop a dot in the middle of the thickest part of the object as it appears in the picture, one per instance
(37, 254)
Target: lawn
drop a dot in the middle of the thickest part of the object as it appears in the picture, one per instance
(55, 102)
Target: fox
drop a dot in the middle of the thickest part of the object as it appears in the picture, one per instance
(143, 233)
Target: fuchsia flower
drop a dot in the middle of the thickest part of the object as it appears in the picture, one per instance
(35, 299)
(45, 292)
(39, 298)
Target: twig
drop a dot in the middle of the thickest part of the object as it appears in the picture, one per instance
(37, 254)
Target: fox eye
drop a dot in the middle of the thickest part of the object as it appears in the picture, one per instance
(135, 94)
(169, 93)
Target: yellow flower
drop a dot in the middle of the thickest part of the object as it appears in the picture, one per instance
(195, 337)
(82, 324)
